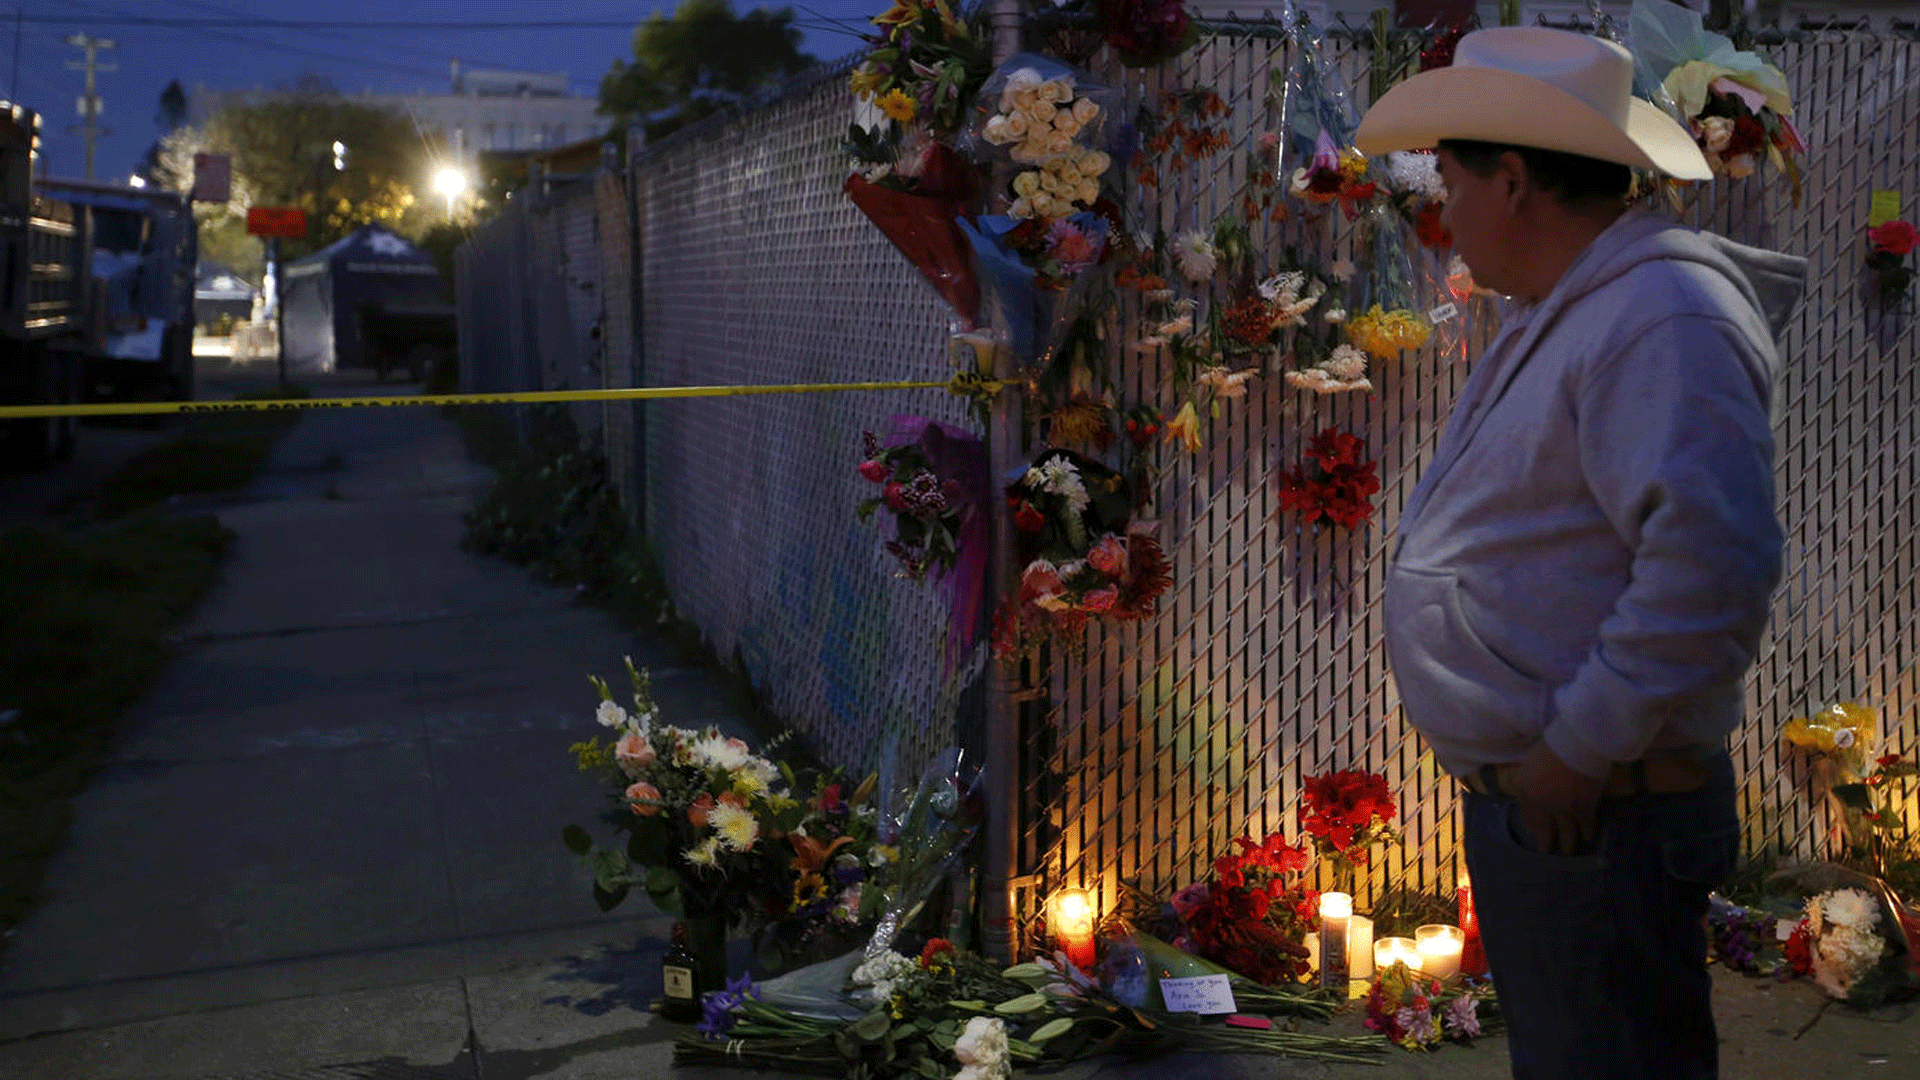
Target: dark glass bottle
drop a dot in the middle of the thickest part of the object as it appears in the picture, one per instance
(680, 974)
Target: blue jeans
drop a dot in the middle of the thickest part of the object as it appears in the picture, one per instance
(1600, 958)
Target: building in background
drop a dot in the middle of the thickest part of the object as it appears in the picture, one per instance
(481, 110)
(1880, 15)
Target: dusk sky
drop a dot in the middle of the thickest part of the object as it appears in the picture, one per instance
(236, 54)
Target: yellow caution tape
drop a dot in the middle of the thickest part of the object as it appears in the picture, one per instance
(968, 384)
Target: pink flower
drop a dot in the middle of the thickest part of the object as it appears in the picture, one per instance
(1463, 1018)
(1189, 898)
(895, 495)
(633, 751)
(1268, 142)
(875, 471)
(1072, 247)
(644, 798)
(1040, 581)
(1109, 556)
(1101, 599)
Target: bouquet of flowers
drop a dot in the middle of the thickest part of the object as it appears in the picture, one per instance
(1745, 939)
(1251, 916)
(1333, 482)
(1416, 1012)
(1320, 122)
(1143, 33)
(706, 818)
(921, 75)
(1892, 242)
(1387, 321)
(1083, 554)
(1048, 116)
(1840, 943)
(1735, 104)
(1347, 813)
(934, 486)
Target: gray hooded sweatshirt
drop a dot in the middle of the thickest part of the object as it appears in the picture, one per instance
(1590, 557)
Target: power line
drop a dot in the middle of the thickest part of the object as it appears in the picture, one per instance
(249, 23)
(271, 46)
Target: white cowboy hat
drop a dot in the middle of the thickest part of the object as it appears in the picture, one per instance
(1532, 86)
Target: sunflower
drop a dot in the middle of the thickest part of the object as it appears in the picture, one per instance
(898, 105)
(866, 81)
(809, 889)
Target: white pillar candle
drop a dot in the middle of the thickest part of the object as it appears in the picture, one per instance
(1388, 951)
(1440, 947)
(1360, 947)
(1336, 908)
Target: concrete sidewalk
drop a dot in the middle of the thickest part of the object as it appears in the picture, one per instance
(327, 846)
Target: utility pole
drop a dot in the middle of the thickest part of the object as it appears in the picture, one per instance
(90, 102)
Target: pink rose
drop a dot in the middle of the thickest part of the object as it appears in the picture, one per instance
(1101, 599)
(633, 751)
(1109, 556)
(875, 471)
(645, 799)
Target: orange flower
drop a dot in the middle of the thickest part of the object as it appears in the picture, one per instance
(901, 13)
(644, 798)
(811, 855)
(699, 811)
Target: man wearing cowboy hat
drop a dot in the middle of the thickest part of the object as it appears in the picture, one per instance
(1582, 576)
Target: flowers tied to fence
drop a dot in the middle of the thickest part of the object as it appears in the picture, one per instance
(1333, 482)
(1082, 554)
(1347, 813)
(1735, 104)
(1892, 242)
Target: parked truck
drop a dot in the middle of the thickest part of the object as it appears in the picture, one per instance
(46, 299)
(144, 246)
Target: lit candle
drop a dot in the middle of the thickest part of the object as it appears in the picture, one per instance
(1336, 909)
(1072, 917)
(1440, 946)
(1360, 947)
(1473, 959)
(1389, 951)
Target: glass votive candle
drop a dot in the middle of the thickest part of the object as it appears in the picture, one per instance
(1440, 946)
(1388, 951)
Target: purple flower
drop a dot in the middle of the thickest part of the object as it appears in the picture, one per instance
(717, 1010)
(1463, 1018)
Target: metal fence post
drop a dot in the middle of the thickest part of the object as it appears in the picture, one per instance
(999, 935)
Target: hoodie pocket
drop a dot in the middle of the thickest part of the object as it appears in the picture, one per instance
(1467, 699)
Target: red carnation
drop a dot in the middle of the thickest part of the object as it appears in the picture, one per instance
(936, 948)
(1894, 237)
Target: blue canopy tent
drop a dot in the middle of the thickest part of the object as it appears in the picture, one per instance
(328, 291)
(218, 291)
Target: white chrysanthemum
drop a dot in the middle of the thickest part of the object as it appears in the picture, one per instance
(1059, 477)
(610, 715)
(1852, 908)
(734, 826)
(1335, 315)
(1416, 173)
(1347, 363)
(1289, 284)
(1195, 255)
(718, 752)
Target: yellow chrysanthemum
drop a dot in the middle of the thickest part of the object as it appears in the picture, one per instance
(1385, 334)
(734, 826)
(749, 782)
(706, 853)
(898, 105)
(1353, 164)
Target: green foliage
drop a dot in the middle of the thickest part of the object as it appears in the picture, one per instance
(86, 621)
(282, 152)
(217, 452)
(698, 61)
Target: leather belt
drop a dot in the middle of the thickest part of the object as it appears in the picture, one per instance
(1660, 774)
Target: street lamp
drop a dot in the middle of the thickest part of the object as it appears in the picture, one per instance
(450, 182)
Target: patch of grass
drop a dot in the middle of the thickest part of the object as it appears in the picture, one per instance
(86, 620)
(216, 452)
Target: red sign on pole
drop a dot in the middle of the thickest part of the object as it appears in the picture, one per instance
(284, 221)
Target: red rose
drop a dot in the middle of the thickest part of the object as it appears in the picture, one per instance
(875, 471)
(1894, 238)
(895, 495)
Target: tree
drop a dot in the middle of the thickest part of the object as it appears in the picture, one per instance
(698, 62)
(282, 151)
(171, 117)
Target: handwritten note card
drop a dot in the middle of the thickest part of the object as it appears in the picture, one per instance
(1208, 995)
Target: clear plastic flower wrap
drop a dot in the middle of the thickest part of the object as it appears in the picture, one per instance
(1386, 318)
(1317, 116)
(1033, 108)
(923, 830)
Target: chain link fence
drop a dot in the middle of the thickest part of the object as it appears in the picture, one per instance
(1265, 664)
